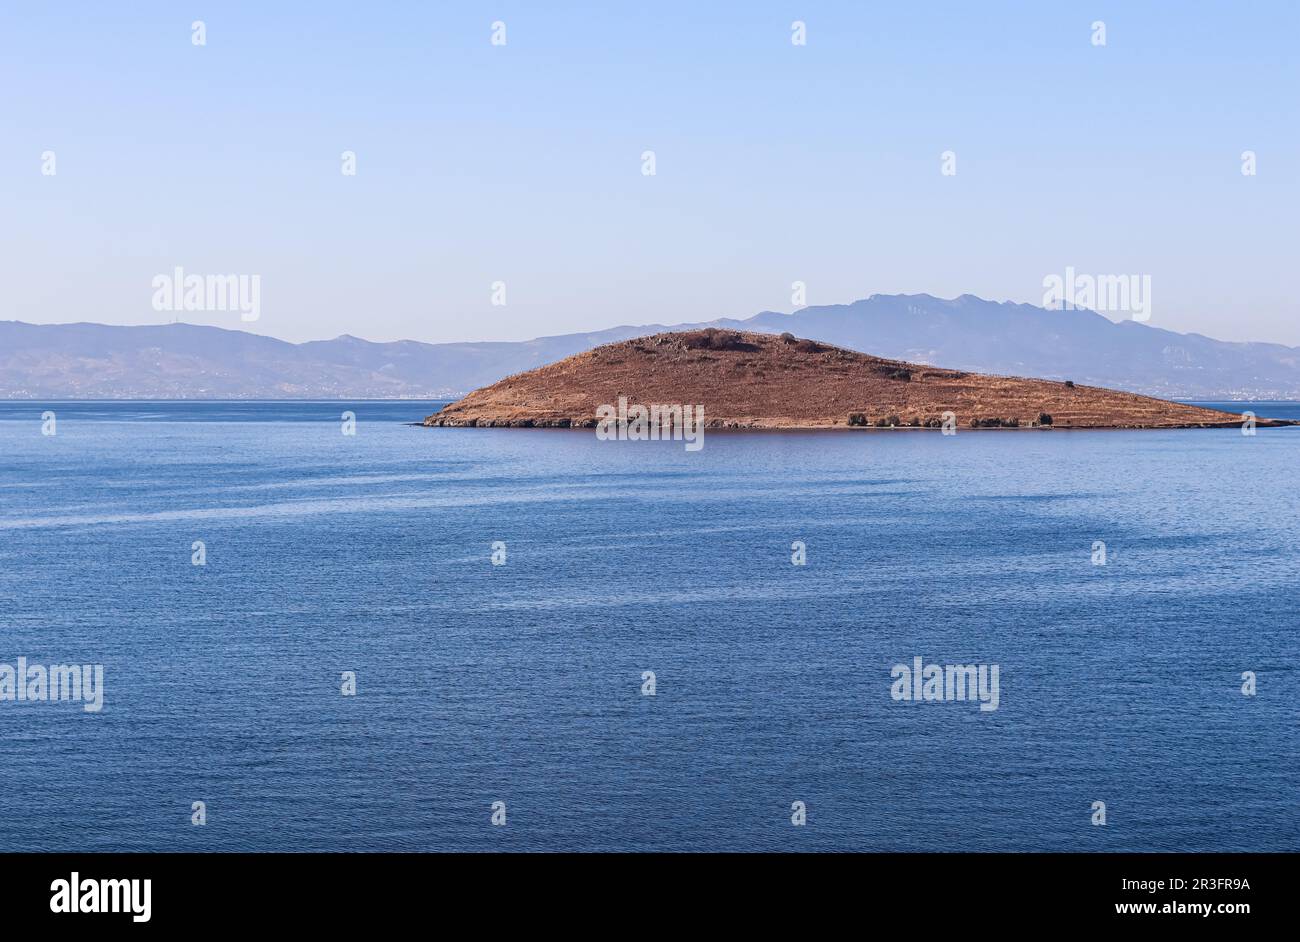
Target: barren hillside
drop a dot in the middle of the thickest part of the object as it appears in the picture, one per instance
(748, 380)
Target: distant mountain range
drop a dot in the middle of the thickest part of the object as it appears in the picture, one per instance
(182, 361)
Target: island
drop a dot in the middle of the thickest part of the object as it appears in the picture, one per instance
(766, 381)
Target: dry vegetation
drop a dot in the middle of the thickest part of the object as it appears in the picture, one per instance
(747, 380)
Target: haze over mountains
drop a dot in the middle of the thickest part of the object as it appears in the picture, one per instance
(181, 361)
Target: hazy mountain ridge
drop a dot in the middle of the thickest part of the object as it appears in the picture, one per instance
(182, 361)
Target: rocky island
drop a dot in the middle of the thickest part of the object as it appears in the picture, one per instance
(765, 381)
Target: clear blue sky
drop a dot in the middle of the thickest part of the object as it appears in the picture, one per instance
(521, 163)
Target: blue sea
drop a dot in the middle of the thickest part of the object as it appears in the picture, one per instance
(522, 682)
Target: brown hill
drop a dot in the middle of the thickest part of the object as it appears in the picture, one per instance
(746, 380)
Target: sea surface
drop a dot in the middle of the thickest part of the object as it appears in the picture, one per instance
(522, 683)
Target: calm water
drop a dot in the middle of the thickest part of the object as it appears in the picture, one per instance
(521, 682)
